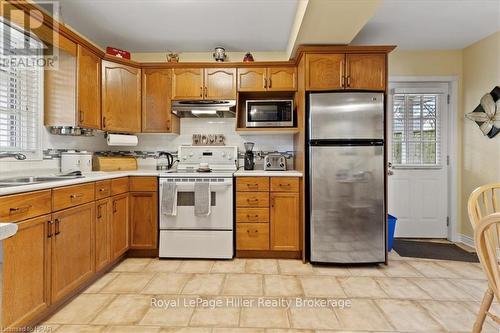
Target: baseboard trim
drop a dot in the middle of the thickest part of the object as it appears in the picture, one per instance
(467, 240)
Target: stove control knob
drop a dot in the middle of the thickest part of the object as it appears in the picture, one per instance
(228, 157)
(268, 164)
(282, 165)
(191, 154)
(184, 158)
(223, 154)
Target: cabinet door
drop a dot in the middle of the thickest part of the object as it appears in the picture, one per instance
(119, 225)
(72, 249)
(366, 71)
(26, 272)
(143, 220)
(281, 79)
(187, 83)
(89, 89)
(284, 221)
(102, 234)
(157, 114)
(121, 98)
(220, 83)
(252, 79)
(325, 71)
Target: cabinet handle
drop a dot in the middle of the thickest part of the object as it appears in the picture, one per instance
(285, 184)
(253, 200)
(206, 91)
(99, 212)
(19, 210)
(49, 228)
(253, 185)
(270, 83)
(201, 91)
(76, 196)
(114, 207)
(102, 189)
(81, 116)
(252, 217)
(349, 81)
(265, 83)
(103, 122)
(58, 231)
(342, 81)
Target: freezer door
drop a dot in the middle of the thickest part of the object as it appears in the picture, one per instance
(346, 200)
(346, 115)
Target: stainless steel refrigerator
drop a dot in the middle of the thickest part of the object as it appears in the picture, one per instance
(346, 177)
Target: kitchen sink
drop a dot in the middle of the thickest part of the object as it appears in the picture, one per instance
(18, 181)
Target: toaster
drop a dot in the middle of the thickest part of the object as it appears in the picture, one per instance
(274, 162)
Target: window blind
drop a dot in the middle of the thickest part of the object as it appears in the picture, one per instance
(416, 137)
(21, 88)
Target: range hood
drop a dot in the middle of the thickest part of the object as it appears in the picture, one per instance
(204, 108)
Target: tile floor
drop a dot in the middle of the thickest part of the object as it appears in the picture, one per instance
(409, 295)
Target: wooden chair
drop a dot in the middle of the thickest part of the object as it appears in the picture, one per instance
(483, 202)
(487, 239)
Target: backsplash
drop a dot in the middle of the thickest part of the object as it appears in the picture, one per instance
(152, 143)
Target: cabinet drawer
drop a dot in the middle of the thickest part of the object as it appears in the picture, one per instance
(252, 236)
(23, 206)
(70, 196)
(119, 185)
(255, 184)
(252, 199)
(102, 189)
(284, 184)
(143, 184)
(252, 215)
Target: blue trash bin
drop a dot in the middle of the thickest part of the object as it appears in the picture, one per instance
(391, 220)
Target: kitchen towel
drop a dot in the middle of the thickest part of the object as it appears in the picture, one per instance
(202, 199)
(169, 198)
(122, 140)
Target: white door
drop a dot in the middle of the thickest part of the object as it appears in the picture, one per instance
(418, 186)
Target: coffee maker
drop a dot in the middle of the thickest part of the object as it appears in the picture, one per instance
(249, 163)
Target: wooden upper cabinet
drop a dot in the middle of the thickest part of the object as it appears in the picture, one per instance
(72, 249)
(89, 89)
(121, 98)
(220, 83)
(187, 83)
(282, 78)
(324, 71)
(366, 71)
(252, 79)
(26, 272)
(157, 114)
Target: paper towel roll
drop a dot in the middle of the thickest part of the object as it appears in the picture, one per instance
(121, 140)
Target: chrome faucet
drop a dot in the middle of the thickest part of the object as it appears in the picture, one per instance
(17, 156)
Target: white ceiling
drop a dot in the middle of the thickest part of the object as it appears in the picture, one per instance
(431, 24)
(183, 25)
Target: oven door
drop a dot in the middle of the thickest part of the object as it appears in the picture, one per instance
(221, 211)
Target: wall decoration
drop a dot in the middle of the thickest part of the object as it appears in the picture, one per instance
(172, 57)
(487, 113)
(220, 54)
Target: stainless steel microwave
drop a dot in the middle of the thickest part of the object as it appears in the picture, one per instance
(269, 113)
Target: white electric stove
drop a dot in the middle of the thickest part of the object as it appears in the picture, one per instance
(185, 235)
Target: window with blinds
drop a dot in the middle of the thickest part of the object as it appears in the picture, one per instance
(21, 89)
(416, 137)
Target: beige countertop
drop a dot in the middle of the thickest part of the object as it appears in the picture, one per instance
(101, 175)
(261, 173)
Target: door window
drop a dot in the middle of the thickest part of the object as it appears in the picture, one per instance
(416, 139)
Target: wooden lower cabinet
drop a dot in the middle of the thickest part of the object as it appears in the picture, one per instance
(26, 272)
(102, 234)
(284, 221)
(119, 225)
(72, 249)
(143, 220)
(268, 221)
